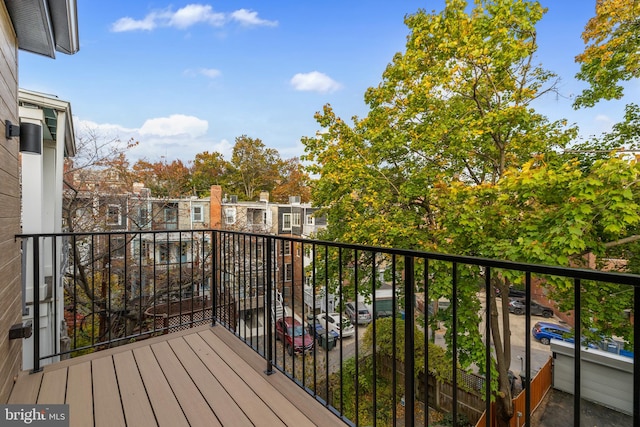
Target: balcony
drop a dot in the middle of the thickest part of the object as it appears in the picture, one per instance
(194, 341)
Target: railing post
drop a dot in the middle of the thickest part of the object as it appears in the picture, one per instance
(36, 305)
(268, 310)
(214, 277)
(636, 362)
(409, 340)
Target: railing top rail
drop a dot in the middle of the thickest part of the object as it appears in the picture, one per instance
(569, 272)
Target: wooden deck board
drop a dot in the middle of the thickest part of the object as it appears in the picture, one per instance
(107, 407)
(53, 387)
(202, 377)
(284, 408)
(288, 392)
(79, 395)
(135, 402)
(195, 406)
(245, 396)
(226, 409)
(163, 401)
(26, 388)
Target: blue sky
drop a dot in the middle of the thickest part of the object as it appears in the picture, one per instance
(185, 77)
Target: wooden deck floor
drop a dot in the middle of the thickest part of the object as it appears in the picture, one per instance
(201, 377)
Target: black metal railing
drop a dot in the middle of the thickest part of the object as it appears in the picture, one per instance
(118, 287)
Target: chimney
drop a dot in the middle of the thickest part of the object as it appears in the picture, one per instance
(264, 196)
(215, 210)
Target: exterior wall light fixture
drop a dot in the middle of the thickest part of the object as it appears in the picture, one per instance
(30, 138)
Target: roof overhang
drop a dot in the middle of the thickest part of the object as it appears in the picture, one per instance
(45, 26)
(47, 103)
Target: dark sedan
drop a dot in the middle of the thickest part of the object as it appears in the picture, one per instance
(518, 306)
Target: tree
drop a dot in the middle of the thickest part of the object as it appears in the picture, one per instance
(164, 179)
(612, 52)
(209, 169)
(452, 111)
(253, 167)
(294, 181)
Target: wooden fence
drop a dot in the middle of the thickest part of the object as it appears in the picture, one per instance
(538, 388)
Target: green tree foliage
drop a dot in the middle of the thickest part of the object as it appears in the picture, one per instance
(209, 169)
(612, 52)
(385, 346)
(451, 116)
(253, 167)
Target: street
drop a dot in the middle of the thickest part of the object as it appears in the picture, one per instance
(345, 348)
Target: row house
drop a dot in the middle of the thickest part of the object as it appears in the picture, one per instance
(295, 220)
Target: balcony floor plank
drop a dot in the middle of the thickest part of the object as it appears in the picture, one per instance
(26, 387)
(53, 388)
(78, 382)
(201, 377)
(195, 406)
(242, 394)
(165, 406)
(135, 402)
(225, 408)
(107, 407)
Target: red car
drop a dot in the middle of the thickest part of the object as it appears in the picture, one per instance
(295, 336)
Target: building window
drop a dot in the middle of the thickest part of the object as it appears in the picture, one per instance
(296, 219)
(287, 248)
(229, 215)
(310, 219)
(288, 272)
(143, 217)
(117, 247)
(197, 214)
(163, 253)
(113, 215)
(286, 221)
(171, 218)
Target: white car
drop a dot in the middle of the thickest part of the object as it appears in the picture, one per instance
(336, 322)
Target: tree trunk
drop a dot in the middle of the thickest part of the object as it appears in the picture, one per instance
(502, 346)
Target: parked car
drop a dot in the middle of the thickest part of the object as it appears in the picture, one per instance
(363, 316)
(336, 322)
(296, 338)
(615, 346)
(513, 293)
(518, 306)
(545, 331)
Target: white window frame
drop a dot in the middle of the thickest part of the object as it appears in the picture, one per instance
(229, 216)
(295, 219)
(287, 248)
(197, 213)
(286, 221)
(310, 219)
(288, 272)
(118, 213)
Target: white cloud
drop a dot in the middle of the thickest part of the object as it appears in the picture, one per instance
(194, 14)
(176, 124)
(174, 137)
(314, 81)
(102, 129)
(249, 18)
(603, 118)
(211, 73)
(189, 16)
(130, 24)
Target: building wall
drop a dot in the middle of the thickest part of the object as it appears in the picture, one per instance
(10, 262)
